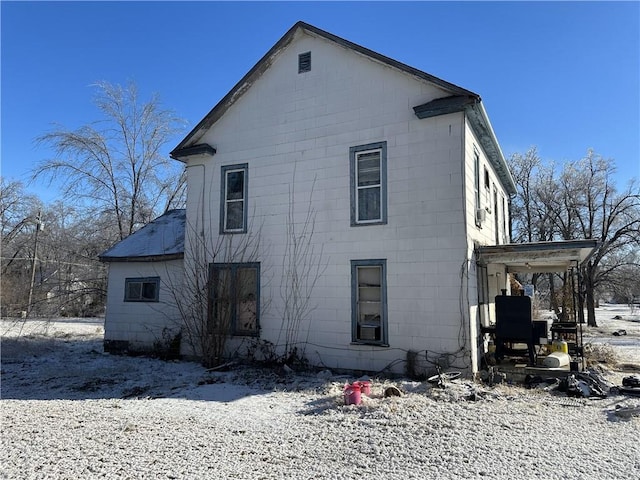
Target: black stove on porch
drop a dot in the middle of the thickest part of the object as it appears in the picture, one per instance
(514, 324)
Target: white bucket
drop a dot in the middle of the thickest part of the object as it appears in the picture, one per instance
(557, 360)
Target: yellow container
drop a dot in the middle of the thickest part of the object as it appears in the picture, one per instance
(559, 346)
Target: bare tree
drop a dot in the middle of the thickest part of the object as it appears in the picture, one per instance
(302, 267)
(603, 213)
(72, 277)
(621, 276)
(525, 170)
(206, 321)
(18, 224)
(581, 201)
(533, 211)
(49, 258)
(116, 165)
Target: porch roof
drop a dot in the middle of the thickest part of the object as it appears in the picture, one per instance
(535, 257)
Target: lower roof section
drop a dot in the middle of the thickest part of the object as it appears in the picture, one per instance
(535, 257)
(160, 240)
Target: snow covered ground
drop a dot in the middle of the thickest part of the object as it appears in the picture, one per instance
(70, 411)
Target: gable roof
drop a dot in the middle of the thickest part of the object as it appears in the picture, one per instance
(460, 99)
(267, 60)
(161, 239)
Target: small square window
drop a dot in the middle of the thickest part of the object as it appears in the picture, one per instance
(304, 62)
(141, 289)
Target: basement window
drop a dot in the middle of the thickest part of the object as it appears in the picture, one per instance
(304, 62)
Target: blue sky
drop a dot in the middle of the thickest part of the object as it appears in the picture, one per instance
(562, 76)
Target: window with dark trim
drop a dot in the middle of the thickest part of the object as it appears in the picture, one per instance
(234, 298)
(496, 219)
(369, 301)
(476, 187)
(368, 169)
(505, 233)
(142, 289)
(233, 201)
(483, 284)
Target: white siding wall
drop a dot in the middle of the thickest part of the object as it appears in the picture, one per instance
(485, 234)
(309, 121)
(141, 323)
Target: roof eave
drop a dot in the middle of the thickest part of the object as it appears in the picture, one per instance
(444, 105)
(481, 125)
(239, 88)
(183, 154)
(147, 258)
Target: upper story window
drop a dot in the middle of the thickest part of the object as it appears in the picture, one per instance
(368, 166)
(141, 289)
(476, 179)
(233, 202)
(476, 183)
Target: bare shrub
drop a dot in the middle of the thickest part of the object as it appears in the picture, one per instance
(595, 353)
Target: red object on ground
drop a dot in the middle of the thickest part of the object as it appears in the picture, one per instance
(352, 394)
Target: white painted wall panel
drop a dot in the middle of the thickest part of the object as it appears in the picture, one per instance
(141, 323)
(307, 123)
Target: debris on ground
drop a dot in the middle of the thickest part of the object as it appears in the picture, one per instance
(493, 377)
(619, 333)
(626, 412)
(392, 392)
(630, 386)
(631, 381)
(539, 382)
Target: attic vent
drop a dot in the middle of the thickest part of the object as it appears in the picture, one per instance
(304, 62)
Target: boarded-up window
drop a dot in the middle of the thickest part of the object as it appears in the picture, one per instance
(234, 298)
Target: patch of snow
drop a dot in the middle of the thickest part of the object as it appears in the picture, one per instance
(71, 411)
(616, 318)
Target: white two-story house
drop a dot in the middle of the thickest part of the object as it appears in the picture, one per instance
(347, 193)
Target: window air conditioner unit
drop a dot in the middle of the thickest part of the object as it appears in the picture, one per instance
(481, 215)
(369, 332)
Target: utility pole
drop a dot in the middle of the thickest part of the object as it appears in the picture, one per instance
(33, 263)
